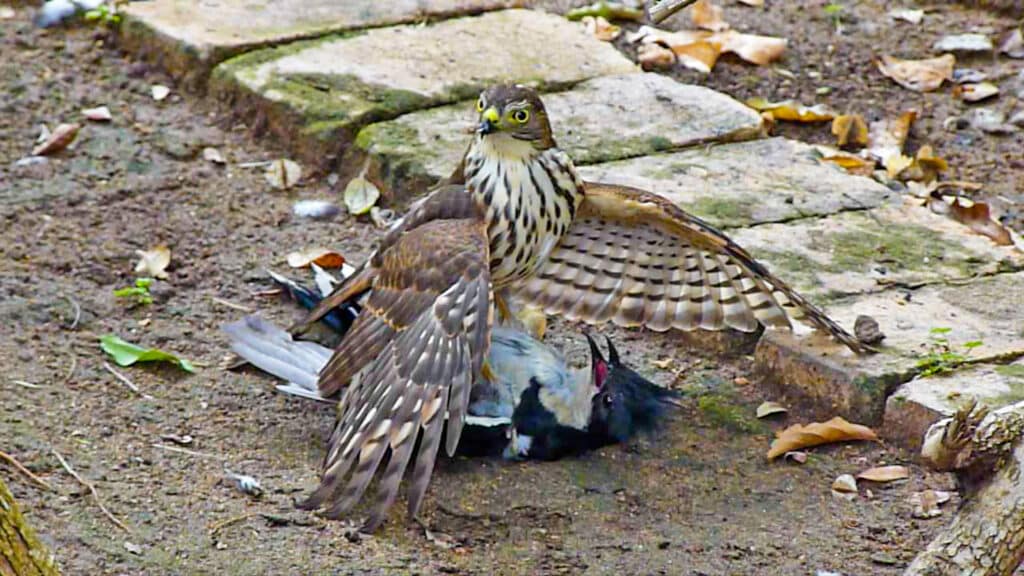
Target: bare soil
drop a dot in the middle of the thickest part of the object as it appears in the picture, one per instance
(698, 498)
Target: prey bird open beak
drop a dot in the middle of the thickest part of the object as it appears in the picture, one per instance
(489, 122)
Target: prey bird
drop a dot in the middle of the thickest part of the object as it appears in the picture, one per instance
(513, 222)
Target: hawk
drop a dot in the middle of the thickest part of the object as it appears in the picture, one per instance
(514, 221)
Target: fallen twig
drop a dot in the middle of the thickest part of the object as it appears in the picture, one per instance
(71, 371)
(124, 380)
(187, 451)
(26, 384)
(20, 468)
(223, 302)
(92, 490)
(234, 520)
(77, 309)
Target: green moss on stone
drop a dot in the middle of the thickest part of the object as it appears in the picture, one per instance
(720, 410)
(388, 137)
(1015, 371)
(722, 212)
(908, 246)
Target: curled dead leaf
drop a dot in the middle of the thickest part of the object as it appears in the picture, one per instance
(655, 57)
(754, 3)
(282, 173)
(885, 474)
(886, 137)
(800, 436)
(360, 196)
(918, 75)
(752, 48)
(850, 130)
(845, 483)
(700, 56)
(976, 92)
(97, 114)
(708, 16)
(766, 409)
(154, 262)
(925, 166)
(850, 162)
(322, 257)
(926, 504)
(974, 215)
(760, 50)
(790, 110)
(61, 137)
(600, 28)
(797, 457)
(211, 154)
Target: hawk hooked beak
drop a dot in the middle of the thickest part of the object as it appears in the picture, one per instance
(489, 121)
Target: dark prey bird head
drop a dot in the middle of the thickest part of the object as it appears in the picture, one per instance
(515, 111)
(626, 403)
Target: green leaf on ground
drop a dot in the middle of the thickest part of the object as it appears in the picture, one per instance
(126, 353)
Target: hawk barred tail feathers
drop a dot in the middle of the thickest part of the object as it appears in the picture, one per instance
(419, 344)
(635, 259)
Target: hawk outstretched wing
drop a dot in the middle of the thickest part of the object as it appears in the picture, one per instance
(417, 347)
(634, 258)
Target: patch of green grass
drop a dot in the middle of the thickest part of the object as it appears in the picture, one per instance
(721, 411)
(140, 291)
(943, 357)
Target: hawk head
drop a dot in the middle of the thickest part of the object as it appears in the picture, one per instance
(514, 111)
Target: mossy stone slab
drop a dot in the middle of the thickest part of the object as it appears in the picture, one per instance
(918, 404)
(189, 37)
(603, 119)
(867, 251)
(824, 379)
(318, 94)
(755, 182)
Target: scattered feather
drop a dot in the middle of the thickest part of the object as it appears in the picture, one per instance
(315, 209)
(907, 15)
(246, 484)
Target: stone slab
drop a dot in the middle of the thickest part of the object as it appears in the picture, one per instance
(318, 94)
(867, 251)
(600, 120)
(918, 404)
(770, 180)
(824, 379)
(189, 37)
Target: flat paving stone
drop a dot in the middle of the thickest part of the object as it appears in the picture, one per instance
(916, 405)
(192, 36)
(318, 94)
(868, 251)
(603, 119)
(825, 379)
(770, 180)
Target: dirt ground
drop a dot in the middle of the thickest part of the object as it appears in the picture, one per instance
(697, 499)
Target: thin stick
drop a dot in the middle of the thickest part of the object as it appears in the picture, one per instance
(189, 452)
(224, 524)
(17, 465)
(124, 380)
(71, 371)
(26, 384)
(77, 309)
(223, 302)
(92, 490)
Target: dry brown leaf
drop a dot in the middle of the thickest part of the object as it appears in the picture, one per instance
(918, 75)
(974, 215)
(760, 50)
(283, 173)
(799, 436)
(852, 164)
(790, 110)
(885, 474)
(1013, 44)
(601, 29)
(896, 163)
(798, 457)
(154, 262)
(886, 137)
(322, 257)
(976, 92)
(708, 16)
(845, 483)
(700, 56)
(61, 137)
(850, 130)
(926, 504)
(767, 409)
(925, 166)
(655, 57)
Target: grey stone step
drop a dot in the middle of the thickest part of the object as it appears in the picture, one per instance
(190, 37)
(757, 182)
(824, 379)
(318, 94)
(603, 119)
(916, 405)
(867, 251)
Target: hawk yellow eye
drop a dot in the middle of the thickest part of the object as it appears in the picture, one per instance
(480, 105)
(521, 116)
